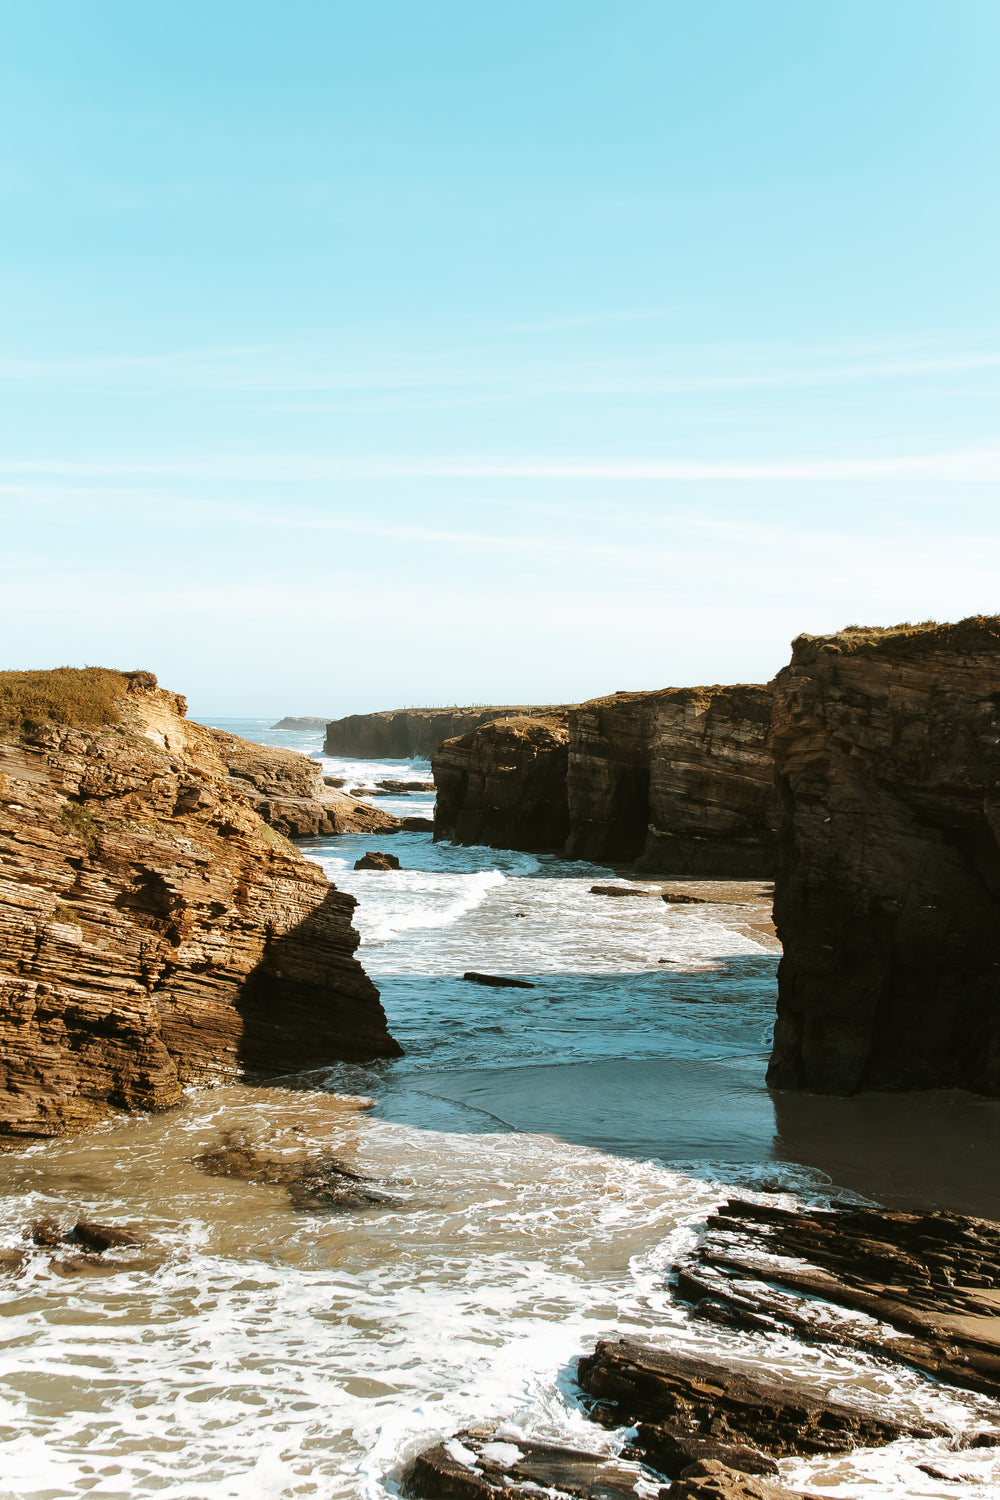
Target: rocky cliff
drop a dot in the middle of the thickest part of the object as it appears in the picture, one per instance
(289, 792)
(154, 931)
(400, 733)
(887, 901)
(680, 781)
(505, 785)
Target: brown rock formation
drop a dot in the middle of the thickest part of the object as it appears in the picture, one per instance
(932, 1277)
(887, 902)
(669, 1394)
(399, 733)
(290, 792)
(505, 785)
(153, 930)
(681, 781)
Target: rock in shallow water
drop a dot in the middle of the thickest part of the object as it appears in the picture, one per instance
(374, 859)
(476, 1466)
(314, 1183)
(657, 1387)
(932, 1277)
(498, 981)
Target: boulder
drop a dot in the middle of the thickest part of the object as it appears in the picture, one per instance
(373, 859)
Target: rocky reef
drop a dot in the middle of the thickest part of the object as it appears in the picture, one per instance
(679, 781)
(887, 897)
(400, 733)
(155, 930)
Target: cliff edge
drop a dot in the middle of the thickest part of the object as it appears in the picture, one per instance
(406, 733)
(154, 931)
(887, 899)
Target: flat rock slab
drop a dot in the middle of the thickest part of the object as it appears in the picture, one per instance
(499, 981)
(711, 1480)
(647, 892)
(932, 1277)
(479, 1466)
(637, 1383)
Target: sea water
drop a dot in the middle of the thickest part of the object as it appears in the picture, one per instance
(547, 1154)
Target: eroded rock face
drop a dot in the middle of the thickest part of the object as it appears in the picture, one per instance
(887, 899)
(399, 733)
(290, 792)
(680, 781)
(505, 785)
(154, 931)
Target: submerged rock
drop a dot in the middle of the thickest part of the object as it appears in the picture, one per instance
(708, 1479)
(101, 1237)
(314, 1183)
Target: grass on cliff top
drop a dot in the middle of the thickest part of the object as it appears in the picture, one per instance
(65, 695)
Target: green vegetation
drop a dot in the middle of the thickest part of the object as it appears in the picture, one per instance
(66, 695)
(888, 629)
(78, 820)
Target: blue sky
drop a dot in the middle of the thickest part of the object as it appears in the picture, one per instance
(359, 355)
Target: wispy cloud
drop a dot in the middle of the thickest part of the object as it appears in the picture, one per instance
(977, 466)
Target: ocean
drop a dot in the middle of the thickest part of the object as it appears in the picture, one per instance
(546, 1153)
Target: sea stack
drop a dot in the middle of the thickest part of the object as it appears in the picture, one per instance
(155, 930)
(887, 900)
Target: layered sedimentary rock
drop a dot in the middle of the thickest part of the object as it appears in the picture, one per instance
(154, 931)
(887, 900)
(290, 792)
(505, 785)
(681, 781)
(399, 733)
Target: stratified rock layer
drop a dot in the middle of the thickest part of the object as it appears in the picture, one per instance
(887, 899)
(680, 781)
(505, 785)
(153, 930)
(290, 792)
(398, 733)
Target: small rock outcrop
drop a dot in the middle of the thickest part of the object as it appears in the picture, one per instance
(505, 785)
(305, 721)
(887, 896)
(374, 859)
(154, 931)
(409, 733)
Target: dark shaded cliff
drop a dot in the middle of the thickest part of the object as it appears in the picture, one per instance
(154, 931)
(887, 901)
(401, 733)
(680, 781)
(505, 785)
